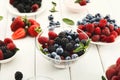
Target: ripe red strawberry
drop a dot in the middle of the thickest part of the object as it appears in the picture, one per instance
(82, 36)
(52, 35)
(110, 39)
(8, 40)
(11, 1)
(17, 23)
(103, 38)
(106, 31)
(110, 72)
(118, 61)
(34, 7)
(33, 22)
(43, 40)
(1, 55)
(34, 30)
(82, 2)
(19, 33)
(11, 46)
(90, 28)
(114, 33)
(111, 27)
(118, 31)
(97, 30)
(102, 23)
(95, 38)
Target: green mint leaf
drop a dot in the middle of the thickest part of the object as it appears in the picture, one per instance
(80, 48)
(1, 17)
(68, 21)
(54, 4)
(103, 78)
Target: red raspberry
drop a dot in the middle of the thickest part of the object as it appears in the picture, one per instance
(118, 31)
(8, 40)
(52, 35)
(97, 30)
(110, 38)
(106, 31)
(82, 2)
(43, 40)
(11, 46)
(95, 38)
(115, 78)
(103, 38)
(78, 30)
(114, 33)
(102, 23)
(81, 27)
(118, 61)
(35, 7)
(89, 34)
(1, 55)
(82, 36)
(11, 1)
(111, 27)
(90, 28)
(51, 42)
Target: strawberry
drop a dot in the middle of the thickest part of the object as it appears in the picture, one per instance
(52, 35)
(110, 38)
(82, 2)
(1, 55)
(97, 30)
(95, 38)
(43, 40)
(33, 22)
(102, 23)
(34, 30)
(90, 28)
(11, 46)
(114, 33)
(17, 23)
(34, 7)
(111, 27)
(106, 31)
(11, 1)
(19, 33)
(82, 36)
(8, 40)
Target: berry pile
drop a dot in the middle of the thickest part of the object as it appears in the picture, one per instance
(82, 2)
(7, 49)
(113, 72)
(26, 6)
(99, 29)
(21, 26)
(66, 45)
(52, 23)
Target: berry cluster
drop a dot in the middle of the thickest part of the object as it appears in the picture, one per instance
(66, 45)
(21, 26)
(113, 72)
(98, 28)
(52, 23)
(7, 48)
(82, 2)
(26, 6)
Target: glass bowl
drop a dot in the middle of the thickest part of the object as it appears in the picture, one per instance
(61, 63)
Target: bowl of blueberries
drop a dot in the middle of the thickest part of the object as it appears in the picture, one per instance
(62, 47)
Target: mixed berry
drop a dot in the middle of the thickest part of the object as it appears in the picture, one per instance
(82, 2)
(52, 23)
(113, 72)
(99, 29)
(26, 6)
(66, 45)
(21, 26)
(7, 49)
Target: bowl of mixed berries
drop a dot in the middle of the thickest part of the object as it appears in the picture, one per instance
(62, 48)
(7, 50)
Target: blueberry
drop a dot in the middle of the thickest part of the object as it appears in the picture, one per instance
(53, 54)
(45, 50)
(57, 57)
(98, 15)
(57, 23)
(80, 52)
(52, 23)
(59, 51)
(78, 23)
(56, 45)
(74, 56)
(50, 17)
(18, 75)
(77, 40)
(68, 58)
(69, 37)
(49, 55)
(76, 45)
(88, 1)
(89, 16)
(107, 17)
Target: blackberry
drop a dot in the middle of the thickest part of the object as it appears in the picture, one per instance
(3, 48)
(62, 35)
(64, 41)
(39, 3)
(51, 49)
(15, 3)
(20, 7)
(1, 43)
(18, 75)
(27, 8)
(65, 54)
(8, 54)
(73, 42)
(58, 40)
(69, 46)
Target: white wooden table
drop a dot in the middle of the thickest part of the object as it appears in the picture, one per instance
(29, 61)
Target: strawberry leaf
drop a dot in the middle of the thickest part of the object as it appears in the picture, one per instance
(1, 17)
(103, 78)
(68, 21)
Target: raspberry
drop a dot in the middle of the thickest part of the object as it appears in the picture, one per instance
(35, 7)
(118, 61)
(82, 36)
(7, 40)
(102, 23)
(103, 38)
(115, 78)
(81, 27)
(95, 38)
(90, 27)
(111, 27)
(52, 35)
(97, 30)
(11, 46)
(114, 33)
(118, 31)
(89, 34)
(42, 40)
(110, 38)
(82, 2)
(106, 31)
(1, 55)
(51, 42)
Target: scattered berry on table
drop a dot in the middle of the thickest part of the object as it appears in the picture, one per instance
(18, 75)
(82, 2)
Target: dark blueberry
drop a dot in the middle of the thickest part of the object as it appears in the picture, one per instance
(58, 40)
(76, 45)
(89, 16)
(50, 17)
(69, 37)
(13, 18)
(62, 35)
(98, 15)
(80, 53)
(77, 40)
(57, 57)
(59, 51)
(107, 17)
(78, 23)
(74, 56)
(45, 50)
(69, 46)
(113, 21)
(51, 49)
(56, 45)
(68, 58)
(18, 75)
(51, 23)
(88, 1)
(74, 35)
(53, 54)
(49, 55)
(20, 7)
(57, 23)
